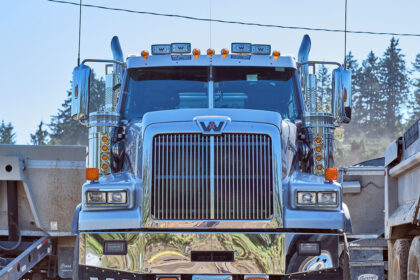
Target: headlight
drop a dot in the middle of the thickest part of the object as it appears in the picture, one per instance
(327, 198)
(118, 197)
(96, 197)
(306, 198)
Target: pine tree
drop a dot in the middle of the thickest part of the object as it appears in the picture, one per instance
(394, 86)
(7, 136)
(416, 100)
(40, 136)
(66, 131)
(372, 101)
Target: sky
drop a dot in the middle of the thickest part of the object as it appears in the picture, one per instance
(40, 39)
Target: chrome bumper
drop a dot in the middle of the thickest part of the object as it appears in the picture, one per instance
(270, 253)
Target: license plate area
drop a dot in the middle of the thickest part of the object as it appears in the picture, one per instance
(212, 256)
(212, 277)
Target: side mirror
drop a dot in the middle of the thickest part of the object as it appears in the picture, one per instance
(341, 95)
(80, 93)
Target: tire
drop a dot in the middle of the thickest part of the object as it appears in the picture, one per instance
(76, 259)
(345, 264)
(399, 260)
(414, 260)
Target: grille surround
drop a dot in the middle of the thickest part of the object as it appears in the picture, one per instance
(212, 177)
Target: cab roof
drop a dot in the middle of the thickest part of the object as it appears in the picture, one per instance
(215, 60)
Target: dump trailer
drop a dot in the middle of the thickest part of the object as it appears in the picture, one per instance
(39, 191)
(211, 166)
(402, 203)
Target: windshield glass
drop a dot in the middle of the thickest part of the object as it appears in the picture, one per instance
(260, 88)
(165, 88)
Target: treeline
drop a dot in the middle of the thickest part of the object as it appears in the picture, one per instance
(61, 130)
(386, 101)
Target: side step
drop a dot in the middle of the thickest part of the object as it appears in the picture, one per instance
(20, 265)
(367, 259)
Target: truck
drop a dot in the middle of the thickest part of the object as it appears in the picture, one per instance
(204, 167)
(211, 166)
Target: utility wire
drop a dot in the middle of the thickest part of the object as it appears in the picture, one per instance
(237, 22)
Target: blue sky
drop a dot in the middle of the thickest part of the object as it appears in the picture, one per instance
(39, 39)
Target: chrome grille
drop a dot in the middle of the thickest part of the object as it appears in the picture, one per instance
(206, 177)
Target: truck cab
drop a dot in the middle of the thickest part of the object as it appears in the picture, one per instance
(211, 166)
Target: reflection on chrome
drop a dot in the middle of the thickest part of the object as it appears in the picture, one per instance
(322, 261)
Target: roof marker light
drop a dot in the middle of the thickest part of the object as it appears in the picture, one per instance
(224, 52)
(196, 53)
(145, 54)
(210, 52)
(161, 49)
(276, 54)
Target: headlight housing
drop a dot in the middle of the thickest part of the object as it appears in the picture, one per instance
(106, 198)
(320, 198)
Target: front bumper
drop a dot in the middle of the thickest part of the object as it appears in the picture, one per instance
(163, 253)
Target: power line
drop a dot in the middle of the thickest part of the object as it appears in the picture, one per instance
(238, 22)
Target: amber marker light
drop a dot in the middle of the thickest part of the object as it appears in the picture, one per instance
(331, 174)
(104, 166)
(92, 174)
(196, 53)
(318, 149)
(104, 148)
(319, 167)
(318, 139)
(318, 158)
(145, 54)
(104, 139)
(224, 52)
(276, 54)
(104, 157)
(210, 52)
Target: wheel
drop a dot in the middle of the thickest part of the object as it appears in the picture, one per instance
(399, 259)
(345, 264)
(414, 260)
(76, 259)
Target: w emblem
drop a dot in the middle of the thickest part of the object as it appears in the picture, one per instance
(211, 125)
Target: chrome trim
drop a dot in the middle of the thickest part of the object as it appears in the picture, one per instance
(274, 253)
(212, 178)
(190, 127)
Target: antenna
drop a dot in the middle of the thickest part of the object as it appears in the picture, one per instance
(80, 31)
(345, 35)
(210, 21)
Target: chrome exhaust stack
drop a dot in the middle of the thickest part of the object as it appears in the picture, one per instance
(101, 122)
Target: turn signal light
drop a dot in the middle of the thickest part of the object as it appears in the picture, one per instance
(210, 52)
(331, 174)
(225, 52)
(276, 54)
(196, 53)
(92, 174)
(145, 54)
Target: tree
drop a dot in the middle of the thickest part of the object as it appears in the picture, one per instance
(394, 86)
(40, 136)
(66, 131)
(416, 102)
(7, 136)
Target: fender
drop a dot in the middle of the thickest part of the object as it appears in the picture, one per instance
(75, 224)
(347, 222)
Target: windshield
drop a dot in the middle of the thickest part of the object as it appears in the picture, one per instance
(166, 88)
(260, 88)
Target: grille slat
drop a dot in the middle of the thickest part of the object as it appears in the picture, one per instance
(206, 177)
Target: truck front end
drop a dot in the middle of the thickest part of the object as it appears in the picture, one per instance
(207, 169)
